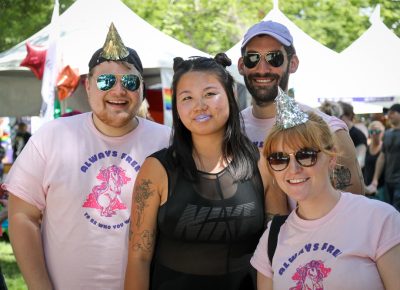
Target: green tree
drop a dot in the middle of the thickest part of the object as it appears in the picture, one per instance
(20, 19)
(216, 25)
(337, 23)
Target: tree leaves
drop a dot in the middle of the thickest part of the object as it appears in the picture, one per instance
(216, 25)
(19, 19)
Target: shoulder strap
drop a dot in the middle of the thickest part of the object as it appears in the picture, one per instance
(277, 222)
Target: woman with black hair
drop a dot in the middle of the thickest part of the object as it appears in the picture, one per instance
(198, 206)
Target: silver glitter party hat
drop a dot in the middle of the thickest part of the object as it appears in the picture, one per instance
(288, 112)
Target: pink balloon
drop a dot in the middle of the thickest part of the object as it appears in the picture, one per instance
(35, 59)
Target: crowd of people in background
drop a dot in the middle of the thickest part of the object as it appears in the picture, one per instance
(19, 137)
(372, 135)
(118, 201)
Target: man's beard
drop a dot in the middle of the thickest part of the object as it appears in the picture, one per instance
(263, 95)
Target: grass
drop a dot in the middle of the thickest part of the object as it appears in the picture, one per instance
(10, 268)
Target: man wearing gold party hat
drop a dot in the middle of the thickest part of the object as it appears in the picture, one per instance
(71, 187)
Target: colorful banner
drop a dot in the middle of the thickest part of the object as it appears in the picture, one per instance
(166, 80)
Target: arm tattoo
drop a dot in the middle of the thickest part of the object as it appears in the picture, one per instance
(342, 177)
(142, 193)
(143, 241)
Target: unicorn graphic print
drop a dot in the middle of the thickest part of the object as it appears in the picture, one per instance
(310, 276)
(106, 197)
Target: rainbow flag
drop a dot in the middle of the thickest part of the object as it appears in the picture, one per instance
(167, 94)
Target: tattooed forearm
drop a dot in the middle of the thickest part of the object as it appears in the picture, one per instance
(142, 193)
(143, 241)
(342, 177)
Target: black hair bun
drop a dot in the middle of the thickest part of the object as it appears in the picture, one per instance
(223, 59)
(177, 63)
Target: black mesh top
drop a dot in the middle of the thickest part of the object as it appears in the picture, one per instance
(207, 231)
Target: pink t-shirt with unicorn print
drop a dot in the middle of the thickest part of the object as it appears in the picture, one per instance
(83, 180)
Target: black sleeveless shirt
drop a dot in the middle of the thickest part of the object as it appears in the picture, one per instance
(207, 231)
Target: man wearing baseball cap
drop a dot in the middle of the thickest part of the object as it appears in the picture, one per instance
(268, 57)
(71, 186)
(388, 159)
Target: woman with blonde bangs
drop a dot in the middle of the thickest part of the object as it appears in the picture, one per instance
(376, 130)
(316, 135)
(330, 233)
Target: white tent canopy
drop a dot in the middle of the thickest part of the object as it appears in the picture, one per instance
(315, 61)
(83, 28)
(375, 63)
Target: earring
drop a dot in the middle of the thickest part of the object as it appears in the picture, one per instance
(332, 176)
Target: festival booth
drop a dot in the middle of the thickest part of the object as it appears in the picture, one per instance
(83, 28)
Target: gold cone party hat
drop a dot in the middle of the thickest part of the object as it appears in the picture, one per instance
(114, 48)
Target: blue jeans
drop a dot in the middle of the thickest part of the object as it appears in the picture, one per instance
(393, 192)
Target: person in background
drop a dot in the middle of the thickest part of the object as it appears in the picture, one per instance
(376, 131)
(3, 217)
(331, 108)
(203, 198)
(3, 208)
(388, 159)
(21, 138)
(76, 176)
(144, 111)
(331, 232)
(2, 155)
(268, 57)
(358, 137)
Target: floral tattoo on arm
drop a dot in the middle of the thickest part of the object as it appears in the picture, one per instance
(342, 177)
(143, 241)
(142, 193)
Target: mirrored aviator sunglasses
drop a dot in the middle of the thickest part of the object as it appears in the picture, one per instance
(106, 82)
(274, 58)
(279, 161)
(374, 131)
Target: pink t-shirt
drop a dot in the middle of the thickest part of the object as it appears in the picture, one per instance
(83, 183)
(337, 251)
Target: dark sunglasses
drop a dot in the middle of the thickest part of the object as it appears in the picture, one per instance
(130, 82)
(274, 58)
(305, 157)
(374, 131)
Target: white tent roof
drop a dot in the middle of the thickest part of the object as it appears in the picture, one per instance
(315, 59)
(83, 29)
(375, 62)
